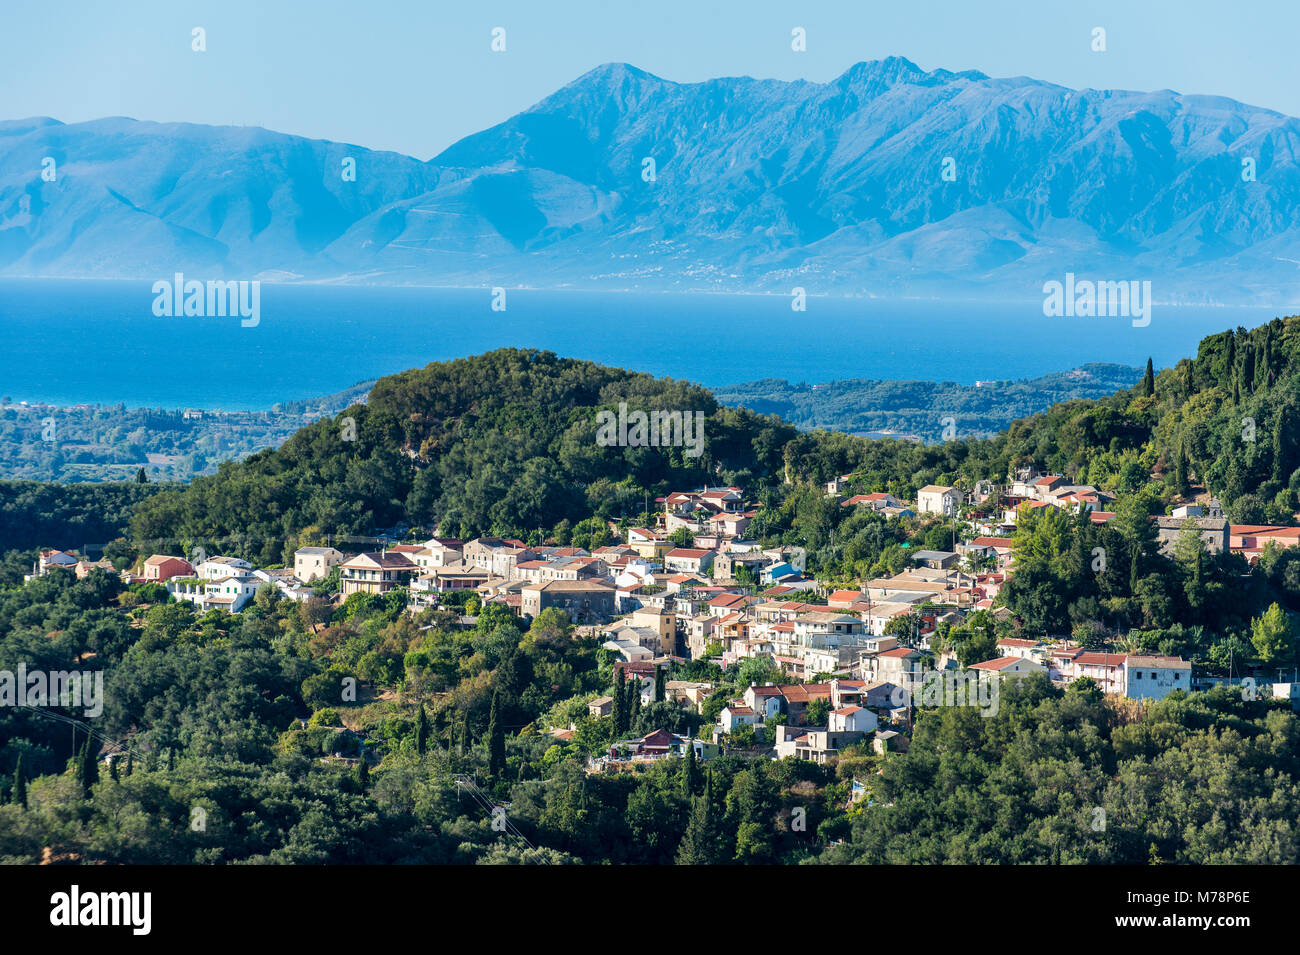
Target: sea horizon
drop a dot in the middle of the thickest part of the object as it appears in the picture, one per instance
(97, 341)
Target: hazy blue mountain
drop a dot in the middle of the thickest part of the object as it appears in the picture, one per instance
(759, 185)
(142, 200)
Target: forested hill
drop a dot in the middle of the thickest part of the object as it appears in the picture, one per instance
(502, 443)
(505, 443)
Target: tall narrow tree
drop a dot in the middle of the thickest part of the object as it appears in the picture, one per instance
(700, 843)
(620, 705)
(496, 738)
(1149, 381)
(18, 795)
(88, 769)
(691, 775)
(421, 731)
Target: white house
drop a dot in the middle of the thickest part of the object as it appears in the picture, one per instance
(764, 701)
(231, 593)
(1015, 647)
(938, 499)
(688, 560)
(217, 568)
(439, 552)
(312, 563)
(630, 650)
(852, 719)
(1007, 666)
(1154, 678)
(736, 714)
(286, 582)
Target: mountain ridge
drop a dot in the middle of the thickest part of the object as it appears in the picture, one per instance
(757, 184)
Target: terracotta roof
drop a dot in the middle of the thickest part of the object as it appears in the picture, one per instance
(803, 692)
(1093, 658)
(999, 664)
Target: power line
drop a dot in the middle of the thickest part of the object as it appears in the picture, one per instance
(489, 806)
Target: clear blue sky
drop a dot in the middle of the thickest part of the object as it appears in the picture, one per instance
(416, 75)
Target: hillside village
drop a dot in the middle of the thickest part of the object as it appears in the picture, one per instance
(695, 587)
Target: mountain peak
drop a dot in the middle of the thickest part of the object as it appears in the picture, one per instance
(899, 71)
(614, 74)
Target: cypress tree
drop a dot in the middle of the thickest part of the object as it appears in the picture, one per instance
(1279, 471)
(1134, 569)
(1149, 381)
(661, 686)
(620, 705)
(691, 776)
(421, 732)
(88, 768)
(18, 795)
(1181, 472)
(112, 770)
(130, 762)
(464, 736)
(362, 776)
(496, 738)
(699, 845)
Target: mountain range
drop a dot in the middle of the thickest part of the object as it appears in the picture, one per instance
(887, 181)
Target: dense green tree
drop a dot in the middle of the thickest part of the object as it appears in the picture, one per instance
(701, 843)
(1273, 637)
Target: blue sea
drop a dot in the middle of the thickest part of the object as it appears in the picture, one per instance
(66, 342)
